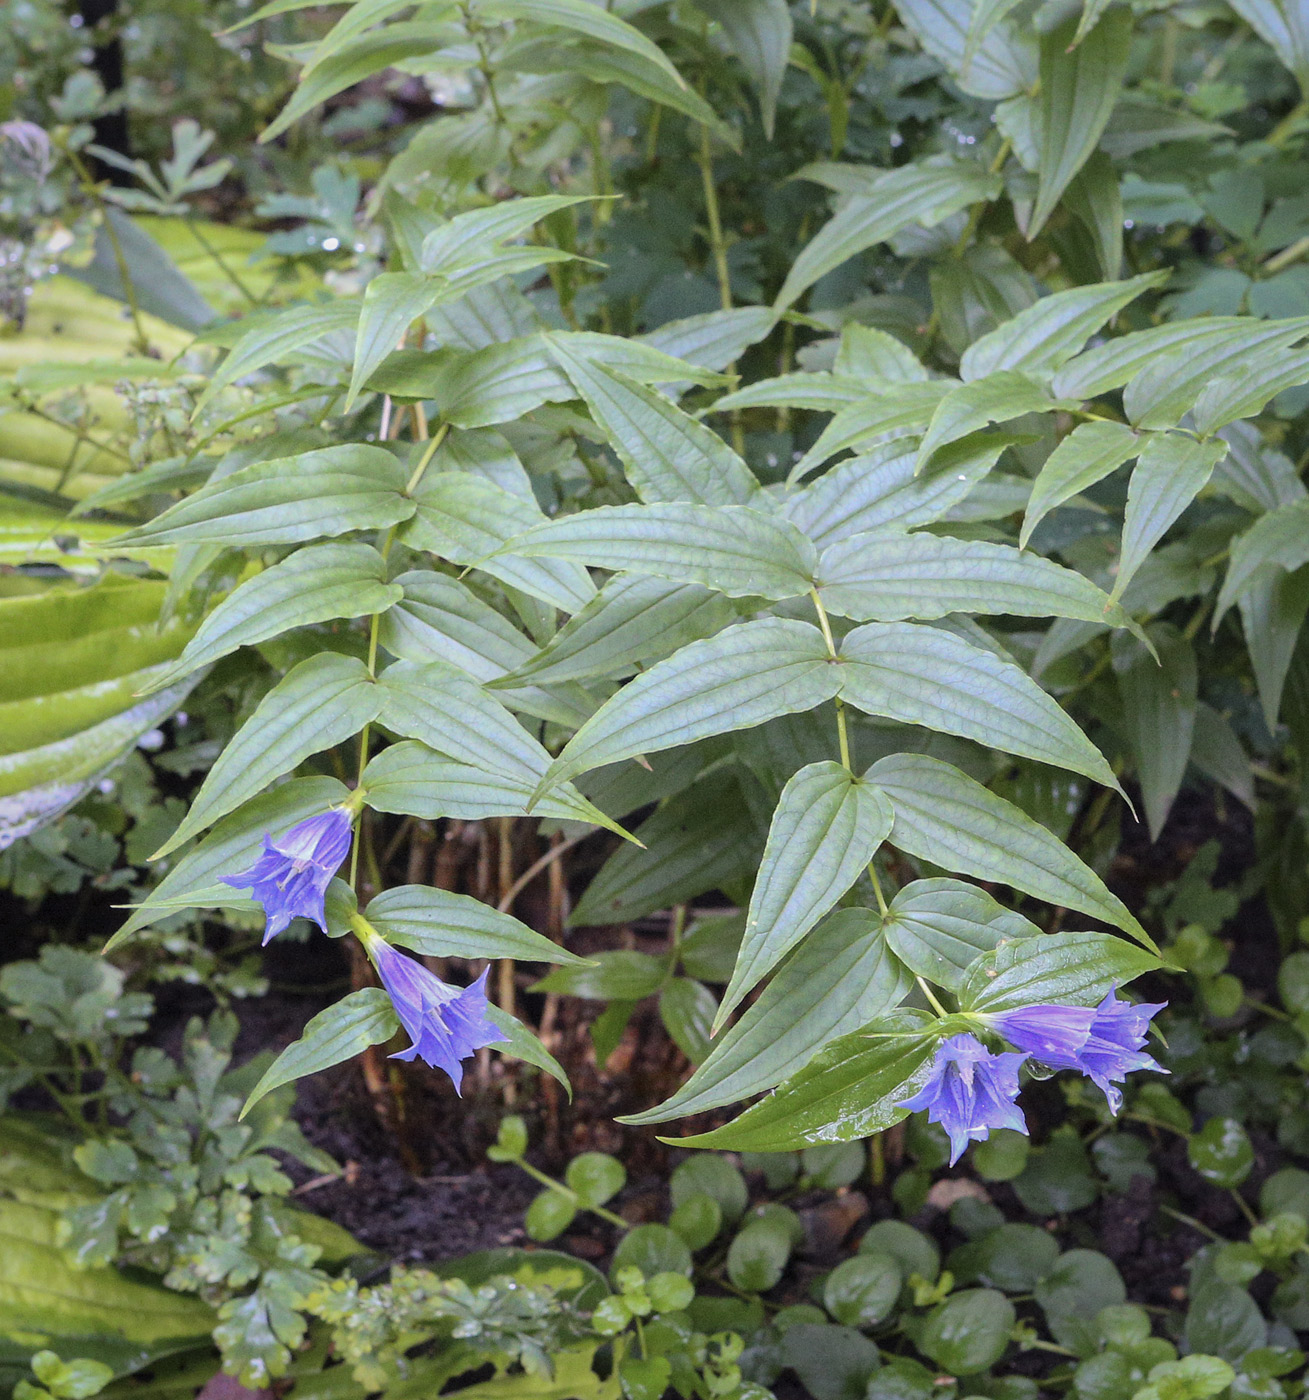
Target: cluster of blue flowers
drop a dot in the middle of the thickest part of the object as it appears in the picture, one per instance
(970, 1090)
(446, 1024)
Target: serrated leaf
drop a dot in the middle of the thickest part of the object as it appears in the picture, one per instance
(825, 830)
(1079, 87)
(883, 413)
(1171, 471)
(629, 620)
(313, 585)
(439, 618)
(666, 454)
(325, 700)
(923, 193)
(887, 578)
(1041, 338)
(1070, 969)
(520, 1044)
(746, 674)
(817, 390)
(1001, 64)
(363, 1018)
(944, 816)
(938, 929)
(1244, 393)
(468, 520)
(928, 676)
(734, 549)
(712, 339)
(759, 32)
(1000, 397)
(1091, 452)
(1159, 699)
(852, 1088)
(841, 977)
(290, 500)
(436, 923)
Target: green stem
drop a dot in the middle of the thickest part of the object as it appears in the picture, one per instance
(842, 731)
(90, 187)
(569, 1194)
(718, 248)
(931, 997)
(229, 272)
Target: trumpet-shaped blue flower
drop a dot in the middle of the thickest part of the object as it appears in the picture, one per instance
(969, 1091)
(291, 876)
(446, 1024)
(1103, 1042)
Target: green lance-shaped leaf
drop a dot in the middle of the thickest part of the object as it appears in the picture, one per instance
(816, 390)
(581, 18)
(924, 193)
(1283, 28)
(195, 882)
(944, 816)
(880, 490)
(741, 677)
(290, 500)
(1041, 338)
(1087, 455)
(520, 1044)
(733, 549)
(630, 620)
(1004, 395)
(439, 924)
(841, 977)
(1159, 700)
(448, 712)
(467, 519)
(826, 829)
(464, 240)
(1079, 87)
(759, 32)
(1219, 754)
(854, 1087)
(887, 411)
(440, 618)
(939, 928)
(1183, 355)
(1276, 541)
(412, 780)
(712, 339)
(1273, 611)
(887, 578)
(325, 700)
(1168, 386)
(1000, 65)
(666, 454)
(364, 1018)
(1254, 474)
(313, 585)
(928, 676)
(269, 339)
(1171, 471)
(1075, 969)
(393, 301)
(1244, 393)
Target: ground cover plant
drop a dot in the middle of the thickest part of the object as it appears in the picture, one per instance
(700, 602)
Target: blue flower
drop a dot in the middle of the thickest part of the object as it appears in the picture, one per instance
(291, 876)
(446, 1024)
(970, 1091)
(1103, 1042)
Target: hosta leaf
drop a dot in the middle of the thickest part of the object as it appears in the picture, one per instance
(312, 585)
(741, 677)
(826, 829)
(733, 549)
(944, 816)
(289, 500)
(667, 455)
(1088, 454)
(852, 1088)
(928, 676)
(841, 977)
(922, 193)
(1079, 87)
(938, 928)
(1171, 471)
(886, 578)
(1045, 335)
(325, 700)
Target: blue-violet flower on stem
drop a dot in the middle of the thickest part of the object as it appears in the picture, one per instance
(969, 1091)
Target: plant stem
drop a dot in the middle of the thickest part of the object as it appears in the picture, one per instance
(229, 272)
(842, 731)
(931, 996)
(718, 247)
(569, 1194)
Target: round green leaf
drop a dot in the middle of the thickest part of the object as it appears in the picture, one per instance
(758, 1255)
(595, 1176)
(654, 1249)
(968, 1332)
(549, 1215)
(1002, 1156)
(697, 1220)
(1221, 1152)
(862, 1291)
(714, 1176)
